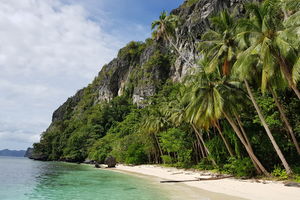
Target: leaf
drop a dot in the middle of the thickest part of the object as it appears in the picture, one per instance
(296, 71)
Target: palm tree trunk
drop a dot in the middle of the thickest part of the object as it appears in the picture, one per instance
(246, 139)
(287, 74)
(228, 147)
(265, 125)
(285, 120)
(243, 130)
(203, 143)
(160, 150)
(199, 147)
(259, 167)
(297, 92)
(196, 149)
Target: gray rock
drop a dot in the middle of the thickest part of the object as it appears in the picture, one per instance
(110, 161)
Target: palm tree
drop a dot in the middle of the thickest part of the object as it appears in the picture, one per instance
(266, 50)
(154, 123)
(285, 120)
(219, 43)
(208, 98)
(270, 41)
(176, 113)
(164, 28)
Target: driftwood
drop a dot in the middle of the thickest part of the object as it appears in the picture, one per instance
(198, 179)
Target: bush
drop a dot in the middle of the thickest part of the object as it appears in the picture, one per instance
(279, 173)
(240, 167)
(204, 164)
(135, 154)
(167, 159)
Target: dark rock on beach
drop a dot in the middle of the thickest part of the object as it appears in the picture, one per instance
(110, 162)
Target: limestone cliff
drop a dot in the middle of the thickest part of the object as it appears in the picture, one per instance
(129, 71)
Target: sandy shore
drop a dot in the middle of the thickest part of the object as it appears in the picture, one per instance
(228, 188)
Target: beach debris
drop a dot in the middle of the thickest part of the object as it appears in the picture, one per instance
(198, 179)
(292, 184)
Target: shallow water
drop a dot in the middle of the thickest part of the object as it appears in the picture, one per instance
(22, 179)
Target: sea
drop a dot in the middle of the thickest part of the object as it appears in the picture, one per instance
(25, 179)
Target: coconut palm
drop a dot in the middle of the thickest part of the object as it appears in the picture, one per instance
(211, 97)
(175, 112)
(269, 53)
(154, 123)
(219, 43)
(270, 41)
(164, 28)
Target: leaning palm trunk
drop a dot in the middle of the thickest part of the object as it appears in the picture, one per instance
(265, 125)
(228, 147)
(243, 130)
(246, 140)
(285, 120)
(287, 75)
(203, 143)
(259, 167)
(158, 145)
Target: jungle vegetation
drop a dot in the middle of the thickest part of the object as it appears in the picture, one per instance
(237, 112)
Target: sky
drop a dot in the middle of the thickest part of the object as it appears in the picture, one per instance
(52, 48)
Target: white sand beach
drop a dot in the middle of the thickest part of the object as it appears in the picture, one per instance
(235, 188)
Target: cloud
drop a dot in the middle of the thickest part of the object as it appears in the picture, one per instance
(48, 50)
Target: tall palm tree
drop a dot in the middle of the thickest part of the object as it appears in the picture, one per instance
(176, 112)
(154, 123)
(164, 28)
(270, 41)
(211, 98)
(268, 52)
(219, 43)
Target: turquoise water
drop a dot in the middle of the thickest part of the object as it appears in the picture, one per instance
(24, 179)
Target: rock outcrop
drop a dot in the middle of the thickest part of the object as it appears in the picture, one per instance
(141, 68)
(28, 152)
(110, 161)
(115, 77)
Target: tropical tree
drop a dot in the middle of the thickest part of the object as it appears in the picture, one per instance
(211, 98)
(268, 52)
(269, 41)
(219, 43)
(152, 124)
(175, 111)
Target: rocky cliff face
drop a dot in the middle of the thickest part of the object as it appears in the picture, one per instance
(136, 71)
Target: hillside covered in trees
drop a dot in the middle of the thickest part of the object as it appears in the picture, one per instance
(216, 87)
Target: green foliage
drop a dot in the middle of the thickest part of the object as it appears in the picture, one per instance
(132, 50)
(167, 159)
(240, 167)
(178, 125)
(270, 111)
(135, 154)
(204, 164)
(190, 3)
(101, 149)
(279, 173)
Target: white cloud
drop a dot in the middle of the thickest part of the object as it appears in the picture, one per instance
(48, 50)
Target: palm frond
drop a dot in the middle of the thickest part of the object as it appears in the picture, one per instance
(296, 71)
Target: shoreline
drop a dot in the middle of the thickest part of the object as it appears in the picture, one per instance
(229, 188)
